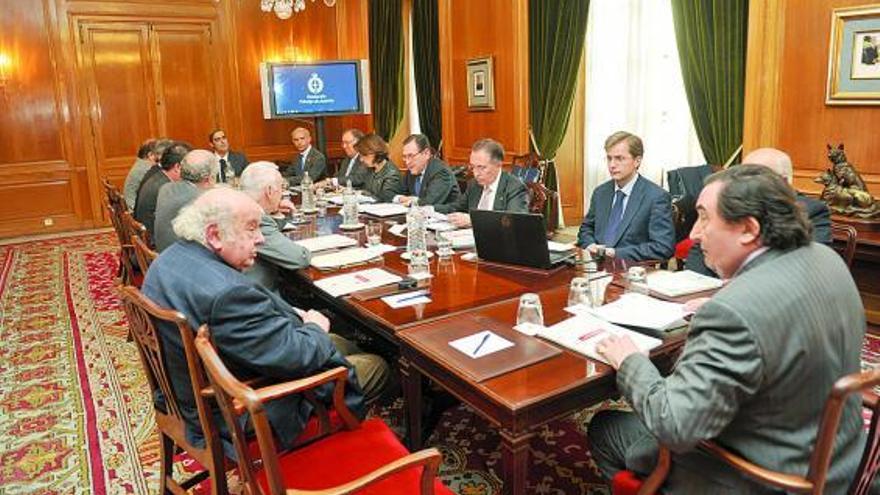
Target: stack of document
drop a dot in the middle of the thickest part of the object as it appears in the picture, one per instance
(638, 310)
(384, 209)
(439, 225)
(559, 247)
(347, 283)
(336, 198)
(581, 333)
(325, 242)
(461, 239)
(347, 257)
(674, 284)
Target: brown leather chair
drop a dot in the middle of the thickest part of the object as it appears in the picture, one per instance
(366, 458)
(814, 481)
(849, 236)
(141, 314)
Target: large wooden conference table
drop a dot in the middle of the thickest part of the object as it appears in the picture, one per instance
(475, 294)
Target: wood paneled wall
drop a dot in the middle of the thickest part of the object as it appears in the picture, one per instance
(497, 28)
(785, 91)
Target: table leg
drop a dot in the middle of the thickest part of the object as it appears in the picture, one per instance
(515, 462)
(411, 382)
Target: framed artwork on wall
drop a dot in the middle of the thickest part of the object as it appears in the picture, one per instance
(480, 84)
(854, 57)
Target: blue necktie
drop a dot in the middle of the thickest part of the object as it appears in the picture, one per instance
(614, 218)
(418, 186)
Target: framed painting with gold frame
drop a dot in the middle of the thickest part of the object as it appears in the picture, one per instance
(854, 58)
(480, 84)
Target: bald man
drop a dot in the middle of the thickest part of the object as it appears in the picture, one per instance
(309, 159)
(816, 210)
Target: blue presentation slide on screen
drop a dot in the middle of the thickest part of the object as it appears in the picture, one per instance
(324, 88)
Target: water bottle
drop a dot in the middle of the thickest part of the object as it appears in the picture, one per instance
(308, 195)
(416, 232)
(349, 206)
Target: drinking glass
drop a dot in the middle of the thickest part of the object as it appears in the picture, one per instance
(321, 205)
(599, 256)
(530, 310)
(444, 246)
(579, 292)
(638, 280)
(374, 233)
(418, 262)
(297, 217)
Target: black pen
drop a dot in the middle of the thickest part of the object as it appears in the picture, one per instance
(480, 345)
(415, 296)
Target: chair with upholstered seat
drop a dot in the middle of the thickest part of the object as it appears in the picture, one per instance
(813, 482)
(141, 314)
(361, 457)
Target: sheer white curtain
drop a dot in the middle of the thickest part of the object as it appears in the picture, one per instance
(634, 84)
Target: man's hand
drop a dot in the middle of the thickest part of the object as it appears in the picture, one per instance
(312, 316)
(406, 200)
(592, 248)
(286, 206)
(616, 349)
(609, 252)
(460, 220)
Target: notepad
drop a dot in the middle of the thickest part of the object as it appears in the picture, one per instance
(581, 333)
(674, 284)
(348, 257)
(384, 209)
(347, 283)
(638, 310)
(481, 344)
(405, 299)
(325, 242)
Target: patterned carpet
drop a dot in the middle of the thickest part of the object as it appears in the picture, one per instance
(74, 411)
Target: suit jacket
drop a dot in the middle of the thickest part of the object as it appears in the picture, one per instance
(145, 206)
(818, 213)
(255, 331)
(133, 181)
(438, 184)
(238, 161)
(510, 196)
(384, 184)
(358, 175)
(316, 166)
(645, 232)
(760, 359)
(277, 252)
(172, 197)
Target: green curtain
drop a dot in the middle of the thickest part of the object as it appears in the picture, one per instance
(386, 65)
(425, 29)
(711, 37)
(556, 43)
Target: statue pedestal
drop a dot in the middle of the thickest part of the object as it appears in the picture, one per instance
(860, 224)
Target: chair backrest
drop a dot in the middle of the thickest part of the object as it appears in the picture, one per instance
(236, 398)
(814, 481)
(135, 228)
(870, 462)
(126, 248)
(528, 168)
(539, 197)
(849, 235)
(144, 255)
(142, 315)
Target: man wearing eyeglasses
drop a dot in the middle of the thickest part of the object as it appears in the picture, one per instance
(491, 188)
(427, 178)
(232, 163)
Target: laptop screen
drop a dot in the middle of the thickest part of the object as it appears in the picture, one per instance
(514, 238)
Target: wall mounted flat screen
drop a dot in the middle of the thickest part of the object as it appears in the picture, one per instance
(292, 90)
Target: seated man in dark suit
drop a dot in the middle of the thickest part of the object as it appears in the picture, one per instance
(149, 155)
(352, 167)
(256, 333)
(816, 210)
(427, 178)
(148, 194)
(491, 188)
(761, 356)
(232, 163)
(630, 215)
(309, 159)
(198, 171)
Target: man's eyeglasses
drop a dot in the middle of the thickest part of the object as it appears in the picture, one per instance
(408, 157)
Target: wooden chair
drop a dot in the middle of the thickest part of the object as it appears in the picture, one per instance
(142, 313)
(849, 235)
(528, 168)
(364, 457)
(127, 272)
(814, 481)
(539, 196)
(144, 255)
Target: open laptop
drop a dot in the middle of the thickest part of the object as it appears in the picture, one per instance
(514, 238)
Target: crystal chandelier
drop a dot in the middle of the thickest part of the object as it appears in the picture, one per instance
(285, 8)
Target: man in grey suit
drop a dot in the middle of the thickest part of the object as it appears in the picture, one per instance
(309, 159)
(352, 168)
(761, 356)
(168, 171)
(427, 178)
(491, 188)
(198, 171)
(231, 163)
(256, 333)
(148, 156)
(263, 183)
(629, 215)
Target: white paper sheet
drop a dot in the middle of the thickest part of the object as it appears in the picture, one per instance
(397, 229)
(461, 239)
(325, 242)
(397, 301)
(347, 283)
(674, 284)
(581, 333)
(336, 199)
(639, 310)
(481, 344)
(348, 257)
(559, 247)
(383, 209)
(530, 329)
